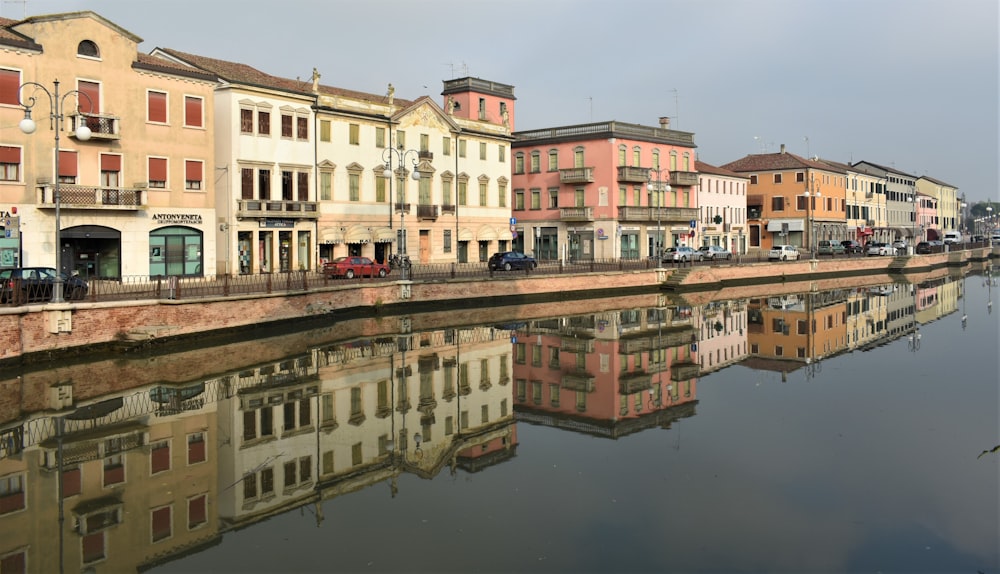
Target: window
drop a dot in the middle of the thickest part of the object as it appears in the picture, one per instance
(519, 199)
(445, 145)
(246, 183)
(461, 148)
(246, 121)
(159, 456)
(286, 125)
(326, 186)
(622, 151)
(463, 192)
(777, 178)
(519, 163)
(536, 159)
(501, 153)
(536, 199)
(379, 137)
(324, 130)
(302, 128)
(636, 156)
(425, 142)
(286, 185)
(753, 179)
(11, 493)
(354, 134)
(88, 49)
(197, 514)
(111, 167)
(354, 183)
(502, 194)
(196, 448)
(447, 241)
(263, 123)
(553, 160)
(800, 177)
(264, 183)
(578, 158)
(777, 203)
(400, 138)
(161, 523)
(10, 84)
(302, 186)
(380, 194)
(156, 107)
(10, 163)
(193, 112)
(67, 167)
(579, 198)
(482, 193)
(193, 173)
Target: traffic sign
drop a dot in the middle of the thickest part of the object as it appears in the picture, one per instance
(513, 221)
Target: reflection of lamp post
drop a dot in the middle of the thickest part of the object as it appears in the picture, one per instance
(989, 219)
(56, 118)
(659, 193)
(811, 245)
(914, 200)
(913, 339)
(387, 173)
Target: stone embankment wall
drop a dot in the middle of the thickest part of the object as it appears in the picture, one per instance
(39, 331)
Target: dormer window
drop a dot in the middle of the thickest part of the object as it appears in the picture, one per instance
(88, 49)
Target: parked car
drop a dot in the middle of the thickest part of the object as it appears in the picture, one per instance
(995, 238)
(952, 237)
(924, 247)
(668, 255)
(876, 248)
(30, 284)
(684, 254)
(899, 244)
(714, 252)
(351, 267)
(507, 260)
(851, 246)
(783, 253)
(830, 248)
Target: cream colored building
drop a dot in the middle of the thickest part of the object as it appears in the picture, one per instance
(137, 197)
(948, 208)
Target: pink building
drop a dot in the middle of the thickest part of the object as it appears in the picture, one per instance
(603, 190)
(926, 219)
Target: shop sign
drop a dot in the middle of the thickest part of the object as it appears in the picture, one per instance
(177, 219)
(278, 223)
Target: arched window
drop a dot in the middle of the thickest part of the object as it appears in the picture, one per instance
(637, 156)
(622, 151)
(88, 49)
(656, 159)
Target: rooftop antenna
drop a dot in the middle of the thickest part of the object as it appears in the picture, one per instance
(591, 98)
(677, 109)
(24, 6)
(808, 155)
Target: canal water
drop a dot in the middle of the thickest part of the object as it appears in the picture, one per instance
(836, 430)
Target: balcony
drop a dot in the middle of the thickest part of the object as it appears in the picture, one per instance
(91, 197)
(576, 214)
(448, 209)
(631, 383)
(251, 208)
(577, 175)
(683, 178)
(403, 208)
(662, 214)
(870, 222)
(576, 345)
(684, 371)
(633, 174)
(578, 381)
(756, 200)
(425, 155)
(102, 126)
(427, 212)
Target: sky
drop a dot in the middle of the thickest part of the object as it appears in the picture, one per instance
(911, 84)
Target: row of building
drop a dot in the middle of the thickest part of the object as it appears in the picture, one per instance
(194, 166)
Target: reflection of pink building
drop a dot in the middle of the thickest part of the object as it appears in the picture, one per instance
(608, 374)
(926, 218)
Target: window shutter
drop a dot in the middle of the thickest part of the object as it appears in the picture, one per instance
(93, 92)
(71, 482)
(160, 459)
(192, 170)
(157, 107)
(111, 162)
(157, 169)
(10, 154)
(10, 82)
(192, 111)
(67, 164)
(161, 523)
(196, 511)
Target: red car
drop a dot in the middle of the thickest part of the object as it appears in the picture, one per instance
(351, 267)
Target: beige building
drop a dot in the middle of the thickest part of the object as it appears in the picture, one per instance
(135, 198)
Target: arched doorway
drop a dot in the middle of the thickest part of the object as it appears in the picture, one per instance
(176, 251)
(91, 251)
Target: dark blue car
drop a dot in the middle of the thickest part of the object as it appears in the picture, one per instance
(507, 260)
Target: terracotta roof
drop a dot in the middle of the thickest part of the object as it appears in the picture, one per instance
(937, 181)
(154, 64)
(774, 162)
(883, 168)
(9, 37)
(236, 73)
(702, 167)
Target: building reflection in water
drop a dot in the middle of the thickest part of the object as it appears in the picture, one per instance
(152, 473)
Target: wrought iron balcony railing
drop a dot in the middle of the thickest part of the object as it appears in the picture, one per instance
(90, 197)
(102, 126)
(427, 211)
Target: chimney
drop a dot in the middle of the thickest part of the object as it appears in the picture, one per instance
(782, 148)
(665, 122)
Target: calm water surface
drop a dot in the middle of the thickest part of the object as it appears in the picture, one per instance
(837, 431)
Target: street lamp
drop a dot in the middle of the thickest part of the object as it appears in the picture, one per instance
(56, 118)
(659, 192)
(401, 156)
(914, 200)
(989, 219)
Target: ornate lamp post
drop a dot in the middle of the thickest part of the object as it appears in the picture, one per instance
(401, 155)
(989, 219)
(810, 216)
(56, 118)
(659, 192)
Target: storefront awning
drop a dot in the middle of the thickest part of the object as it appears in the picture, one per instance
(775, 225)
(505, 235)
(486, 233)
(465, 234)
(384, 235)
(862, 231)
(331, 235)
(357, 234)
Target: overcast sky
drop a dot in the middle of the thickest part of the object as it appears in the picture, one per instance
(911, 84)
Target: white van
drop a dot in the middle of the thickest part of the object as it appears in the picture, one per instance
(951, 237)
